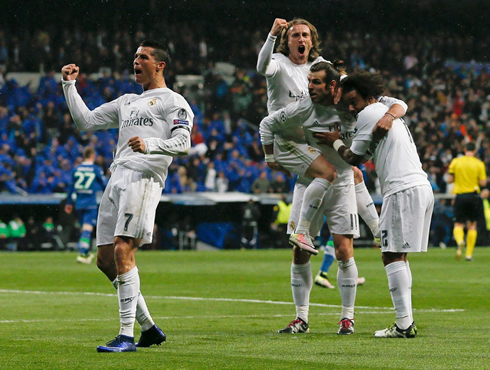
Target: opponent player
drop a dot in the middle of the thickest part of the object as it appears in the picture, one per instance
(408, 200)
(87, 180)
(153, 127)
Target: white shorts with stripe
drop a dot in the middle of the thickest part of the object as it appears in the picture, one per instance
(339, 206)
(405, 220)
(294, 157)
(128, 207)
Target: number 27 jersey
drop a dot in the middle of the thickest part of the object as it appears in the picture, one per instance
(87, 180)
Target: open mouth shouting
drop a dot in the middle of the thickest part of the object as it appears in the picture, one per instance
(301, 50)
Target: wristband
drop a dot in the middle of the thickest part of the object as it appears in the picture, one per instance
(391, 114)
(337, 144)
(269, 158)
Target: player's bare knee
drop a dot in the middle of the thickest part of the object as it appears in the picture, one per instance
(358, 176)
(300, 257)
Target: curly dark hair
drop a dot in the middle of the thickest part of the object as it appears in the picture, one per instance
(368, 85)
(283, 47)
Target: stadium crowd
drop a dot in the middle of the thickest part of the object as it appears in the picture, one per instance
(448, 98)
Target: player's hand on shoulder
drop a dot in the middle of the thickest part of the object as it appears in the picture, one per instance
(328, 138)
(278, 26)
(137, 144)
(382, 127)
(70, 72)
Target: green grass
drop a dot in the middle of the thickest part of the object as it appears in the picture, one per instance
(54, 312)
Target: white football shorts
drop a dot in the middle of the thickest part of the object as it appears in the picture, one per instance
(128, 207)
(339, 206)
(294, 157)
(405, 220)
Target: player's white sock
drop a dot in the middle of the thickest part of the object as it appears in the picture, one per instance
(142, 313)
(366, 208)
(301, 283)
(311, 203)
(409, 273)
(347, 280)
(127, 293)
(398, 283)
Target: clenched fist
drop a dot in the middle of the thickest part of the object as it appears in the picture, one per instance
(70, 72)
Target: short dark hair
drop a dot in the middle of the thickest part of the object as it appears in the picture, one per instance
(368, 85)
(161, 52)
(331, 73)
(470, 147)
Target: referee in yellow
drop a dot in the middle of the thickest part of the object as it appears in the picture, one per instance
(469, 175)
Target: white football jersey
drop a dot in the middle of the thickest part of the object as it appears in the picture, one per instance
(154, 114)
(315, 118)
(288, 83)
(395, 157)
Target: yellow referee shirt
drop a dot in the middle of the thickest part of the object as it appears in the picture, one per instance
(467, 171)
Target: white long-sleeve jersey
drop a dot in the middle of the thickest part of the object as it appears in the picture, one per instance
(313, 118)
(161, 117)
(286, 82)
(291, 132)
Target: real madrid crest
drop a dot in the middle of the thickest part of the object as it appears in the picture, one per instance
(152, 102)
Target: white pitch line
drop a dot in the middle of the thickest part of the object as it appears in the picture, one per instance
(210, 317)
(222, 300)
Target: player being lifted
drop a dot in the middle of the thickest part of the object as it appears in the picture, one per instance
(318, 113)
(286, 73)
(87, 180)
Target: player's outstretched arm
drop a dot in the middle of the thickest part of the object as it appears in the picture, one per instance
(265, 65)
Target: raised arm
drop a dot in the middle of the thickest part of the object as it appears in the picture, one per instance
(103, 117)
(265, 65)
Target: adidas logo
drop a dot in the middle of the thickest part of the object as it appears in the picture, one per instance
(406, 245)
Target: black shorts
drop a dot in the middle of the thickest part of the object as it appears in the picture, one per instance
(467, 207)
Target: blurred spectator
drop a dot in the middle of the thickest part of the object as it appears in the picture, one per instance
(261, 184)
(33, 234)
(17, 231)
(279, 184)
(281, 213)
(4, 234)
(221, 183)
(250, 221)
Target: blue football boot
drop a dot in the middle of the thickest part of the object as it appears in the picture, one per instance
(154, 335)
(121, 343)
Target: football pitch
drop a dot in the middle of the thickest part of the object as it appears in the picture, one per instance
(222, 310)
